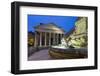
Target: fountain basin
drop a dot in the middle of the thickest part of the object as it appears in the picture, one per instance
(67, 53)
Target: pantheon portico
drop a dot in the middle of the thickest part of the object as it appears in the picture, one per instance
(47, 35)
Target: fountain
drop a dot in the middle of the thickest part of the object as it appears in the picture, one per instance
(63, 44)
(64, 51)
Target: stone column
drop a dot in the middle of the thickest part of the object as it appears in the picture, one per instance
(60, 37)
(53, 38)
(35, 44)
(45, 39)
(57, 38)
(49, 39)
(40, 39)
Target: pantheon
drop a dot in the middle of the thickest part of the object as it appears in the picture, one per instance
(47, 35)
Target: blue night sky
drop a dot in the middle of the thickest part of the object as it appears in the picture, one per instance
(65, 22)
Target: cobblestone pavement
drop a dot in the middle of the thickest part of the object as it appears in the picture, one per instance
(40, 55)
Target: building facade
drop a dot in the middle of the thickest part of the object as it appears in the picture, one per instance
(47, 35)
(79, 37)
(30, 38)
